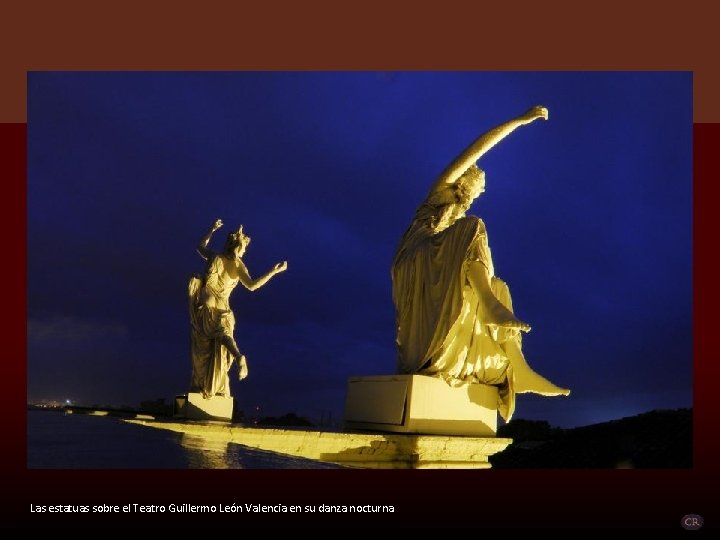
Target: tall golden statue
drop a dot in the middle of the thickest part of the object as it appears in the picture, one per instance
(454, 316)
(213, 347)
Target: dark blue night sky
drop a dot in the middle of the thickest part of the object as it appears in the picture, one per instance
(589, 218)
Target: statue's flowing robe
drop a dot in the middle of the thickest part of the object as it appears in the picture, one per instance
(211, 360)
(441, 330)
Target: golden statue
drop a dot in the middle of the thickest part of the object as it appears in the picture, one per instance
(454, 317)
(213, 347)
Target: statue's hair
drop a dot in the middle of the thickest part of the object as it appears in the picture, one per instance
(465, 187)
(235, 239)
(462, 194)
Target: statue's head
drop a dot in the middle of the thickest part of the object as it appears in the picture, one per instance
(236, 243)
(464, 191)
(470, 186)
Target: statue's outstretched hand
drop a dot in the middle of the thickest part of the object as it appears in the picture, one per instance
(518, 325)
(280, 267)
(536, 112)
(218, 223)
(242, 368)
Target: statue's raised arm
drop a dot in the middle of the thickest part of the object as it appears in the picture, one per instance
(485, 142)
(202, 247)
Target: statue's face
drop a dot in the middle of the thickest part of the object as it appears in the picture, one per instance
(482, 182)
(479, 186)
(242, 246)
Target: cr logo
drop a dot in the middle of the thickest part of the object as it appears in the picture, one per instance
(691, 522)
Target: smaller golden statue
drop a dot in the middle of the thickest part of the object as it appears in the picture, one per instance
(213, 347)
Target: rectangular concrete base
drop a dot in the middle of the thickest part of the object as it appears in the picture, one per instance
(420, 404)
(195, 407)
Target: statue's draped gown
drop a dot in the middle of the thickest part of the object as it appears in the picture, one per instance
(440, 326)
(211, 360)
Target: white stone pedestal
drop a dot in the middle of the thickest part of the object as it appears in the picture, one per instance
(420, 404)
(195, 407)
(366, 450)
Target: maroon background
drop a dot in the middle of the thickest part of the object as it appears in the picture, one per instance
(372, 35)
(88, 35)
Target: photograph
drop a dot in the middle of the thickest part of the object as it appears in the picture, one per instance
(338, 269)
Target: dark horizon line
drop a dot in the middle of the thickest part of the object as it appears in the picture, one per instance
(139, 410)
